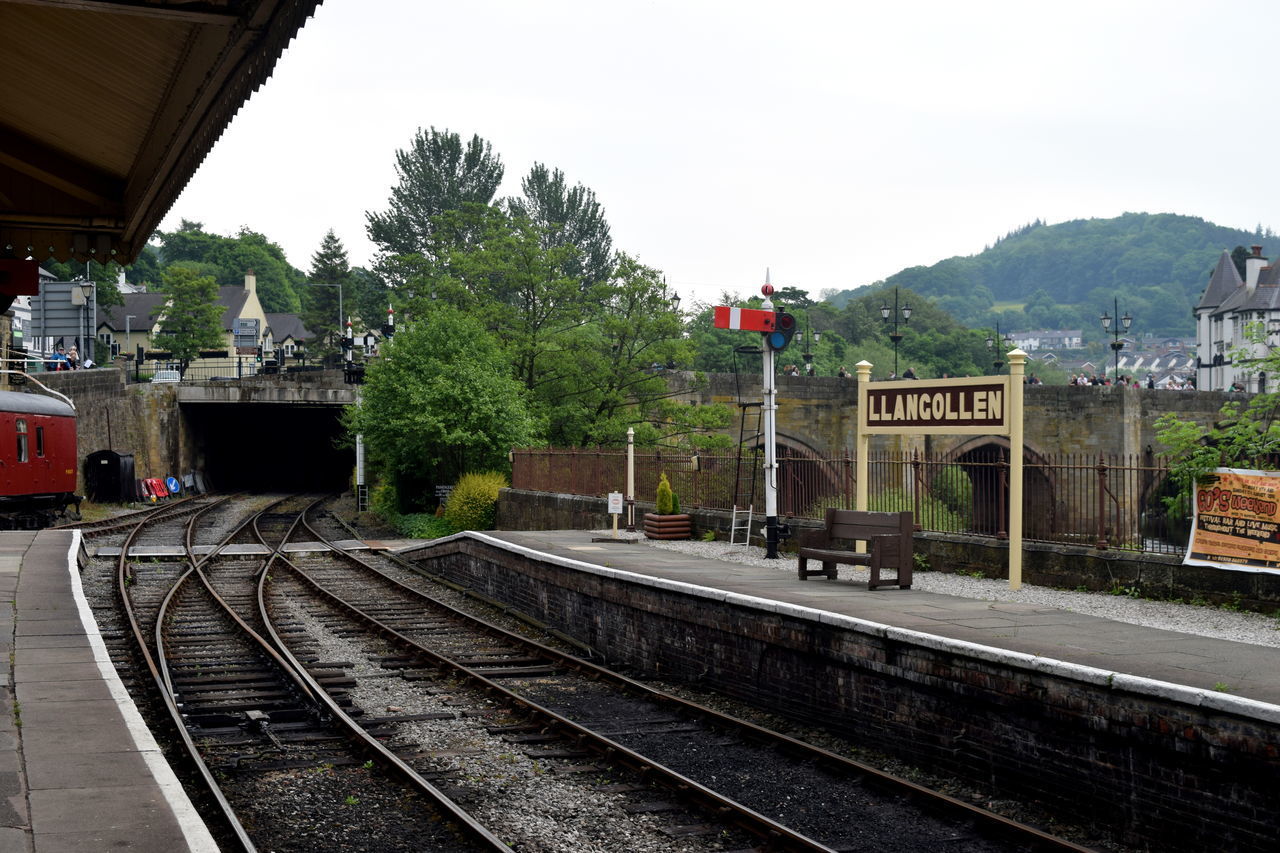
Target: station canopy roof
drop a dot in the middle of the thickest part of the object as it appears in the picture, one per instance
(108, 107)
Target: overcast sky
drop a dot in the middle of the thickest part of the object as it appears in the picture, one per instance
(833, 143)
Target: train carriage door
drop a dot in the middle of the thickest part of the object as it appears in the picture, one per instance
(8, 470)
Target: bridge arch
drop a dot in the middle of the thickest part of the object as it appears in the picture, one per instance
(984, 461)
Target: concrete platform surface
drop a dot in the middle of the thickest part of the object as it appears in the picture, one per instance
(1249, 671)
(79, 771)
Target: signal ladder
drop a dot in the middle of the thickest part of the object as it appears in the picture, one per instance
(744, 495)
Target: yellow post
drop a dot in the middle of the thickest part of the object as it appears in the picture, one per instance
(1017, 369)
(863, 369)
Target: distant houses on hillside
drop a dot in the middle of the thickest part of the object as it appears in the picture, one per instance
(1048, 339)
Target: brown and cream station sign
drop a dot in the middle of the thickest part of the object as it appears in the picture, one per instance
(950, 405)
(979, 405)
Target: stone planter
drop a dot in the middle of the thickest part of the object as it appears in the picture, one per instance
(667, 526)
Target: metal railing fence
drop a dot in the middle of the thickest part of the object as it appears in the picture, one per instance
(1103, 501)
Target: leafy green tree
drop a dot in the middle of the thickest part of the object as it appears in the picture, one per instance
(792, 299)
(438, 403)
(145, 271)
(567, 216)
(616, 376)
(369, 297)
(191, 320)
(227, 259)
(436, 174)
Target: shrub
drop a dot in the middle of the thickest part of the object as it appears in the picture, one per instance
(423, 526)
(954, 489)
(473, 503)
(675, 504)
(665, 498)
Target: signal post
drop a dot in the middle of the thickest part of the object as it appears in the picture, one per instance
(776, 329)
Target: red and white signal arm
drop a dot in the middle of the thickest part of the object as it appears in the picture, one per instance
(746, 319)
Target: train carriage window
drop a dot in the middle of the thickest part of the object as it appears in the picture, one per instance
(40, 442)
(20, 425)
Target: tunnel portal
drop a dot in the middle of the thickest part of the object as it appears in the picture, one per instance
(271, 447)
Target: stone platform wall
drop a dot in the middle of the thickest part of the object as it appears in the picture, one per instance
(1165, 767)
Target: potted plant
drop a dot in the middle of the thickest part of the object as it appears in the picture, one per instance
(666, 521)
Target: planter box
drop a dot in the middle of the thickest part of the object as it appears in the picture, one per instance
(667, 526)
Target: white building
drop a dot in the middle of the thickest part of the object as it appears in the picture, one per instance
(1227, 306)
(1048, 339)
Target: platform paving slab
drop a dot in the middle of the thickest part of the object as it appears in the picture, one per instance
(86, 772)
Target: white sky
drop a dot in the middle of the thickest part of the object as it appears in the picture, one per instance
(834, 143)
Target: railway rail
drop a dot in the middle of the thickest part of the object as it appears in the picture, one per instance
(268, 634)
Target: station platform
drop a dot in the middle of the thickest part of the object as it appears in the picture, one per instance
(1201, 663)
(79, 769)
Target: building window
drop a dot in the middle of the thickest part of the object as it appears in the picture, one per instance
(20, 425)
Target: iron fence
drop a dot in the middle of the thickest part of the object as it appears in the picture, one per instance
(1103, 501)
(221, 369)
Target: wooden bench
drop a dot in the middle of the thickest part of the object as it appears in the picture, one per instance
(889, 545)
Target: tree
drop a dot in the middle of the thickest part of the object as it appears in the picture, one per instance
(567, 217)
(440, 402)
(191, 320)
(227, 259)
(437, 173)
(792, 298)
(330, 276)
(613, 371)
(369, 297)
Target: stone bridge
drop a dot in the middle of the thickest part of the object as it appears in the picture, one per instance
(818, 416)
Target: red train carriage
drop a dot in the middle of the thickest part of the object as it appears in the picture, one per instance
(37, 460)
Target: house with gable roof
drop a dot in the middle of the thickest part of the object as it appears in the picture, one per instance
(1228, 305)
(246, 327)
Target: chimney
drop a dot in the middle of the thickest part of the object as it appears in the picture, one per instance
(251, 282)
(1253, 267)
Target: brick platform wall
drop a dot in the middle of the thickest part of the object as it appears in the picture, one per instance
(1155, 765)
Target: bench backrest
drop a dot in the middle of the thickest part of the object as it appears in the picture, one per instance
(853, 524)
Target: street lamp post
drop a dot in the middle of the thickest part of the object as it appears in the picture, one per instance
(992, 342)
(895, 335)
(810, 339)
(128, 335)
(1125, 321)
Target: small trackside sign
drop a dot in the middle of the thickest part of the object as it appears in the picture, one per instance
(746, 319)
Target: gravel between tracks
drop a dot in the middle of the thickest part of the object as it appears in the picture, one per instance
(1206, 621)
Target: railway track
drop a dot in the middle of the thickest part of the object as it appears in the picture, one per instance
(818, 796)
(280, 762)
(506, 730)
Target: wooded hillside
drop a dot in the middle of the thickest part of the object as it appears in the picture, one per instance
(1066, 275)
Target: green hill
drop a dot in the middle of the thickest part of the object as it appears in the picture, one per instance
(1066, 275)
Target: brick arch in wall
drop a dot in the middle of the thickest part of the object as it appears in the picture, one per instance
(983, 460)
